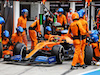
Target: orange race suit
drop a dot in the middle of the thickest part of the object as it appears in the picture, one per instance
(16, 38)
(47, 36)
(96, 50)
(83, 42)
(33, 29)
(62, 20)
(22, 22)
(75, 28)
(7, 49)
(5, 42)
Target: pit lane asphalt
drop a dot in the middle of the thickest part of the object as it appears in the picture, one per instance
(41, 69)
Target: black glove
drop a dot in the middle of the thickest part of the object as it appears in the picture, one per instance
(66, 26)
(10, 43)
(5, 46)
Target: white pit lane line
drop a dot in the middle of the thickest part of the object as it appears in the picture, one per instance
(89, 71)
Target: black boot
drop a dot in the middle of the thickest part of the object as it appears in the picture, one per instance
(77, 65)
(84, 66)
(74, 68)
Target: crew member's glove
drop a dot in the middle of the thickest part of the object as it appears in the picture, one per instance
(66, 26)
(10, 43)
(5, 46)
(89, 32)
(39, 32)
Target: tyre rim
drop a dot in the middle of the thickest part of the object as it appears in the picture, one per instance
(61, 56)
(22, 50)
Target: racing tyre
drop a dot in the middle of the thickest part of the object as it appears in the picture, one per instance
(58, 51)
(20, 49)
(88, 55)
(1, 50)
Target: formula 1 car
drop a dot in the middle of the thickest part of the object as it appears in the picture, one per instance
(54, 50)
(50, 51)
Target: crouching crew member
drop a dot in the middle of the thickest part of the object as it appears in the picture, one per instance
(75, 29)
(5, 39)
(17, 37)
(96, 49)
(48, 32)
(6, 45)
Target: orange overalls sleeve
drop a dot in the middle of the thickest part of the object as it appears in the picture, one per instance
(69, 33)
(12, 38)
(46, 36)
(5, 42)
(15, 38)
(33, 24)
(38, 27)
(84, 17)
(87, 29)
(65, 21)
(19, 22)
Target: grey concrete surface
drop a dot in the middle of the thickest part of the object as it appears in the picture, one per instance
(41, 69)
(8, 68)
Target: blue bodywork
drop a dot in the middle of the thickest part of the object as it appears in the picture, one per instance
(38, 59)
(16, 57)
(45, 59)
(64, 31)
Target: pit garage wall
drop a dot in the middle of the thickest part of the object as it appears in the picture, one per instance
(16, 14)
(7, 13)
(92, 14)
(34, 12)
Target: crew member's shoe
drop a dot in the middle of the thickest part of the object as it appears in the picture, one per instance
(84, 66)
(77, 65)
(74, 68)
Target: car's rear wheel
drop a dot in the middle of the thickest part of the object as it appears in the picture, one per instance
(88, 55)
